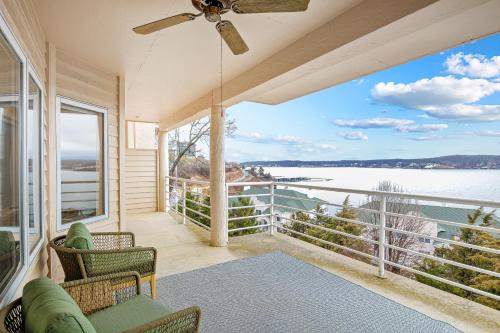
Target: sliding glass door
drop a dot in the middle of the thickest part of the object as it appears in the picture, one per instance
(10, 166)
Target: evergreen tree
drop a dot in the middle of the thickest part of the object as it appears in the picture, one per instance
(242, 212)
(299, 227)
(339, 224)
(472, 257)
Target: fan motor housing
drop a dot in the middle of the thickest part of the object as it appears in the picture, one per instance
(212, 6)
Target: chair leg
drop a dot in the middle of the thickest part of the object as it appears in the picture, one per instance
(152, 283)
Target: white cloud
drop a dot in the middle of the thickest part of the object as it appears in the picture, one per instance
(327, 146)
(289, 139)
(423, 128)
(442, 97)
(489, 133)
(475, 65)
(483, 133)
(257, 137)
(436, 137)
(402, 125)
(355, 136)
(439, 90)
(474, 112)
(373, 123)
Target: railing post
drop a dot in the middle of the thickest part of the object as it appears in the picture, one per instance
(167, 194)
(184, 202)
(226, 198)
(381, 236)
(271, 209)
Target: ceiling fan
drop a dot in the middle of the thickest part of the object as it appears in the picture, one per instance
(214, 9)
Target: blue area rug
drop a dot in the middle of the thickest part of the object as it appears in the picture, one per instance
(279, 293)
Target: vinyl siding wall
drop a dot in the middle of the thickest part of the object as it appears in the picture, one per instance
(64, 74)
(141, 175)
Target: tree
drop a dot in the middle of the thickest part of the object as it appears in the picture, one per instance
(339, 224)
(193, 205)
(248, 210)
(472, 257)
(299, 227)
(199, 131)
(407, 218)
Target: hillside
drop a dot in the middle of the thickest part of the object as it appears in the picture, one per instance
(441, 162)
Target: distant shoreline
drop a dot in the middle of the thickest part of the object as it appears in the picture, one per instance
(452, 162)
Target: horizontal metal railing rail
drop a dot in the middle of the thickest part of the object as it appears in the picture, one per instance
(248, 217)
(343, 219)
(333, 231)
(348, 249)
(253, 206)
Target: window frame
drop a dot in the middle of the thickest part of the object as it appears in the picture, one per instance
(61, 100)
(31, 73)
(19, 275)
(134, 143)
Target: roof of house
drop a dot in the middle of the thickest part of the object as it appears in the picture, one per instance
(451, 214)
(297, 199)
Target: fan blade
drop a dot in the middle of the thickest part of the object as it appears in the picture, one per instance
(164, 23)
(232, 37)
(269, 6)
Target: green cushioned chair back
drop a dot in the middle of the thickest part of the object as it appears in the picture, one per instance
(7, 242)
(79, 237)
(48, 308)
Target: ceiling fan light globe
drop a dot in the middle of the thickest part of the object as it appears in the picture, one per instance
(212, 17)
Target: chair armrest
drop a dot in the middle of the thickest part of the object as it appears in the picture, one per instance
(113, 240)
(11, 318)
(138, 259)
(186, 321)
(97, 293)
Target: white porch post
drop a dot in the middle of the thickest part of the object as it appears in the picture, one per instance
(218, 200)
(163, 172)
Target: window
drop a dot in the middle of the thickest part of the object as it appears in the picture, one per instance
(142, 135)
(82, 163)
(11, 254)
(34, 140)
(21, 160)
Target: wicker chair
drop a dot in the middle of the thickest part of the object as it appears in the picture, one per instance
(114, 252)
(99, 293)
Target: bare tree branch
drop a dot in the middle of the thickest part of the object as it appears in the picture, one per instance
(199, 130)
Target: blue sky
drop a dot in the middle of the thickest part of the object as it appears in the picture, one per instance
(443, 104)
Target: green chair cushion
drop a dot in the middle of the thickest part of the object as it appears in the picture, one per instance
(79, 237)
(7, 242)
(127, 315)
(48, 308)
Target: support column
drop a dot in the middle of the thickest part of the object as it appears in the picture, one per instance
(218, 200)
(163, 172)
(122, 154)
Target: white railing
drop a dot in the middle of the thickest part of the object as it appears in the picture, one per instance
(236, 203)
(263, 210)
(189, 199)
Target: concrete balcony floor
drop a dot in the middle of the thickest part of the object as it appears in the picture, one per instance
(183, 248)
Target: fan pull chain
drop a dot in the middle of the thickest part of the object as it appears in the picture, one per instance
(221, 108)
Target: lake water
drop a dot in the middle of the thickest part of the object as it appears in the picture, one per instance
(470, 184)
